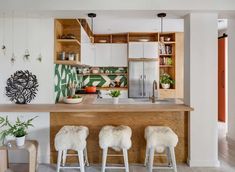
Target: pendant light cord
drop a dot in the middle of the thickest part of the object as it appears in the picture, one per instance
(3, 30)
(12, 32)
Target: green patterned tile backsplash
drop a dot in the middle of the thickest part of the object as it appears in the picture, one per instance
(104, 80)
(64, 75)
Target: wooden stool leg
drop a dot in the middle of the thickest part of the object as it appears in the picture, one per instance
(32, 159)
(172, 151)
(59, 160)
(168, 156)
(125, 155)
(81, 160)
(146, 156)
(64, 157)
(86, 157)
(104, 158)
(151, 158)
(3, 160)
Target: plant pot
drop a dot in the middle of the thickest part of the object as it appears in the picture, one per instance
(115, 100)
(20, 141)
(166, 86)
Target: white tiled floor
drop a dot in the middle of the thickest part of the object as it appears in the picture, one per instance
(226, 157)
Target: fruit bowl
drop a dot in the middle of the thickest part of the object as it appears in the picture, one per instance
(73, 100)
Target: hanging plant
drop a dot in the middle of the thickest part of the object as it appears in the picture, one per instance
(13, 58)
(22, 87)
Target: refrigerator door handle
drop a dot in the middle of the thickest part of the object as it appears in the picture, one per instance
(140, 85)
(144, 82)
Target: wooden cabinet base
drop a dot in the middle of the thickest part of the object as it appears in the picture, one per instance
(178, 121)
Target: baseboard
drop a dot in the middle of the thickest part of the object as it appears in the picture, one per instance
(201, 163)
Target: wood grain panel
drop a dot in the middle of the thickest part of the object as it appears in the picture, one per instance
(178, 121)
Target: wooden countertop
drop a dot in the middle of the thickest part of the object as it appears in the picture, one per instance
(87, 106)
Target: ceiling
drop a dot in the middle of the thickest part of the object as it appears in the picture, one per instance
(118, 21)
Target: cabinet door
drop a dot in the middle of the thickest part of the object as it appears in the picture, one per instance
(91, 54)
(136, 50)
(119, 55)
(102, 54)
(150, 50)
(87, 57)
(136, 79)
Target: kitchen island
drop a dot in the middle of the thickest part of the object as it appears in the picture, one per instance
(95, 116)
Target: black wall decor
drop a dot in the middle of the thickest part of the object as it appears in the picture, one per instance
(22, 87)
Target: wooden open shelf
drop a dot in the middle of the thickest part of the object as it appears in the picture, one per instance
(111, 38)
(87, 28)
(170, 53)
(165, 54)
(166, 35)
(166, 66)
(68, 41)
(120, 38)
(142, 37)
(107, 74)
(67, 62)
(102, 38)
(63, 27)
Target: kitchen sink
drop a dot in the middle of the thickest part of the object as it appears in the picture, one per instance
(138, 101)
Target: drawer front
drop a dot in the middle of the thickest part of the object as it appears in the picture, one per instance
(167, 93)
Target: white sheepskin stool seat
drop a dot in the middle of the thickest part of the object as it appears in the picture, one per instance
(117, 138)
(71, 138)
(159, 139)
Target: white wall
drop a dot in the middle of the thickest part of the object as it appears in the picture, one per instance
(221, 32)
(40, 36)
(123, 25)
(231, 79)
(201, 87)
(40, 132)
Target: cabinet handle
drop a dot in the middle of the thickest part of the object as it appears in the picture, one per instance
(140, 87)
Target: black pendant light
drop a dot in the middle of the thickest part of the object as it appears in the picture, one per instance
(92, 16)
(161, 15)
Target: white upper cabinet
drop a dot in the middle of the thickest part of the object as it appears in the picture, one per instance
(103, 54)
(136, 50)
(119, 55)
(143, 50)
(110, 55)
(150, 49)
(87, 50)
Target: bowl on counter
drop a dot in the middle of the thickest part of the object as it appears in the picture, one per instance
(95, 71)
(73, 100)
(90, 89)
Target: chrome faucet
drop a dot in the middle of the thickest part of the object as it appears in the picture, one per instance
(153, 98)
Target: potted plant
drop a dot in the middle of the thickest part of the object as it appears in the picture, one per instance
(17, 129)
(115, 94)
(166, 81)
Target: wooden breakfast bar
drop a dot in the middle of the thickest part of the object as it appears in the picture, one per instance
(95, 116)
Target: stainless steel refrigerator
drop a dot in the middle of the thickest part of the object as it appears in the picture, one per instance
(141, 77)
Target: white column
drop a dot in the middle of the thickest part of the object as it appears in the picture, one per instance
(231, 79)
(201, 87)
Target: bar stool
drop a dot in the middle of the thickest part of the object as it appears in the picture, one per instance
(71, 138)
(158, 139)
(118, 138)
